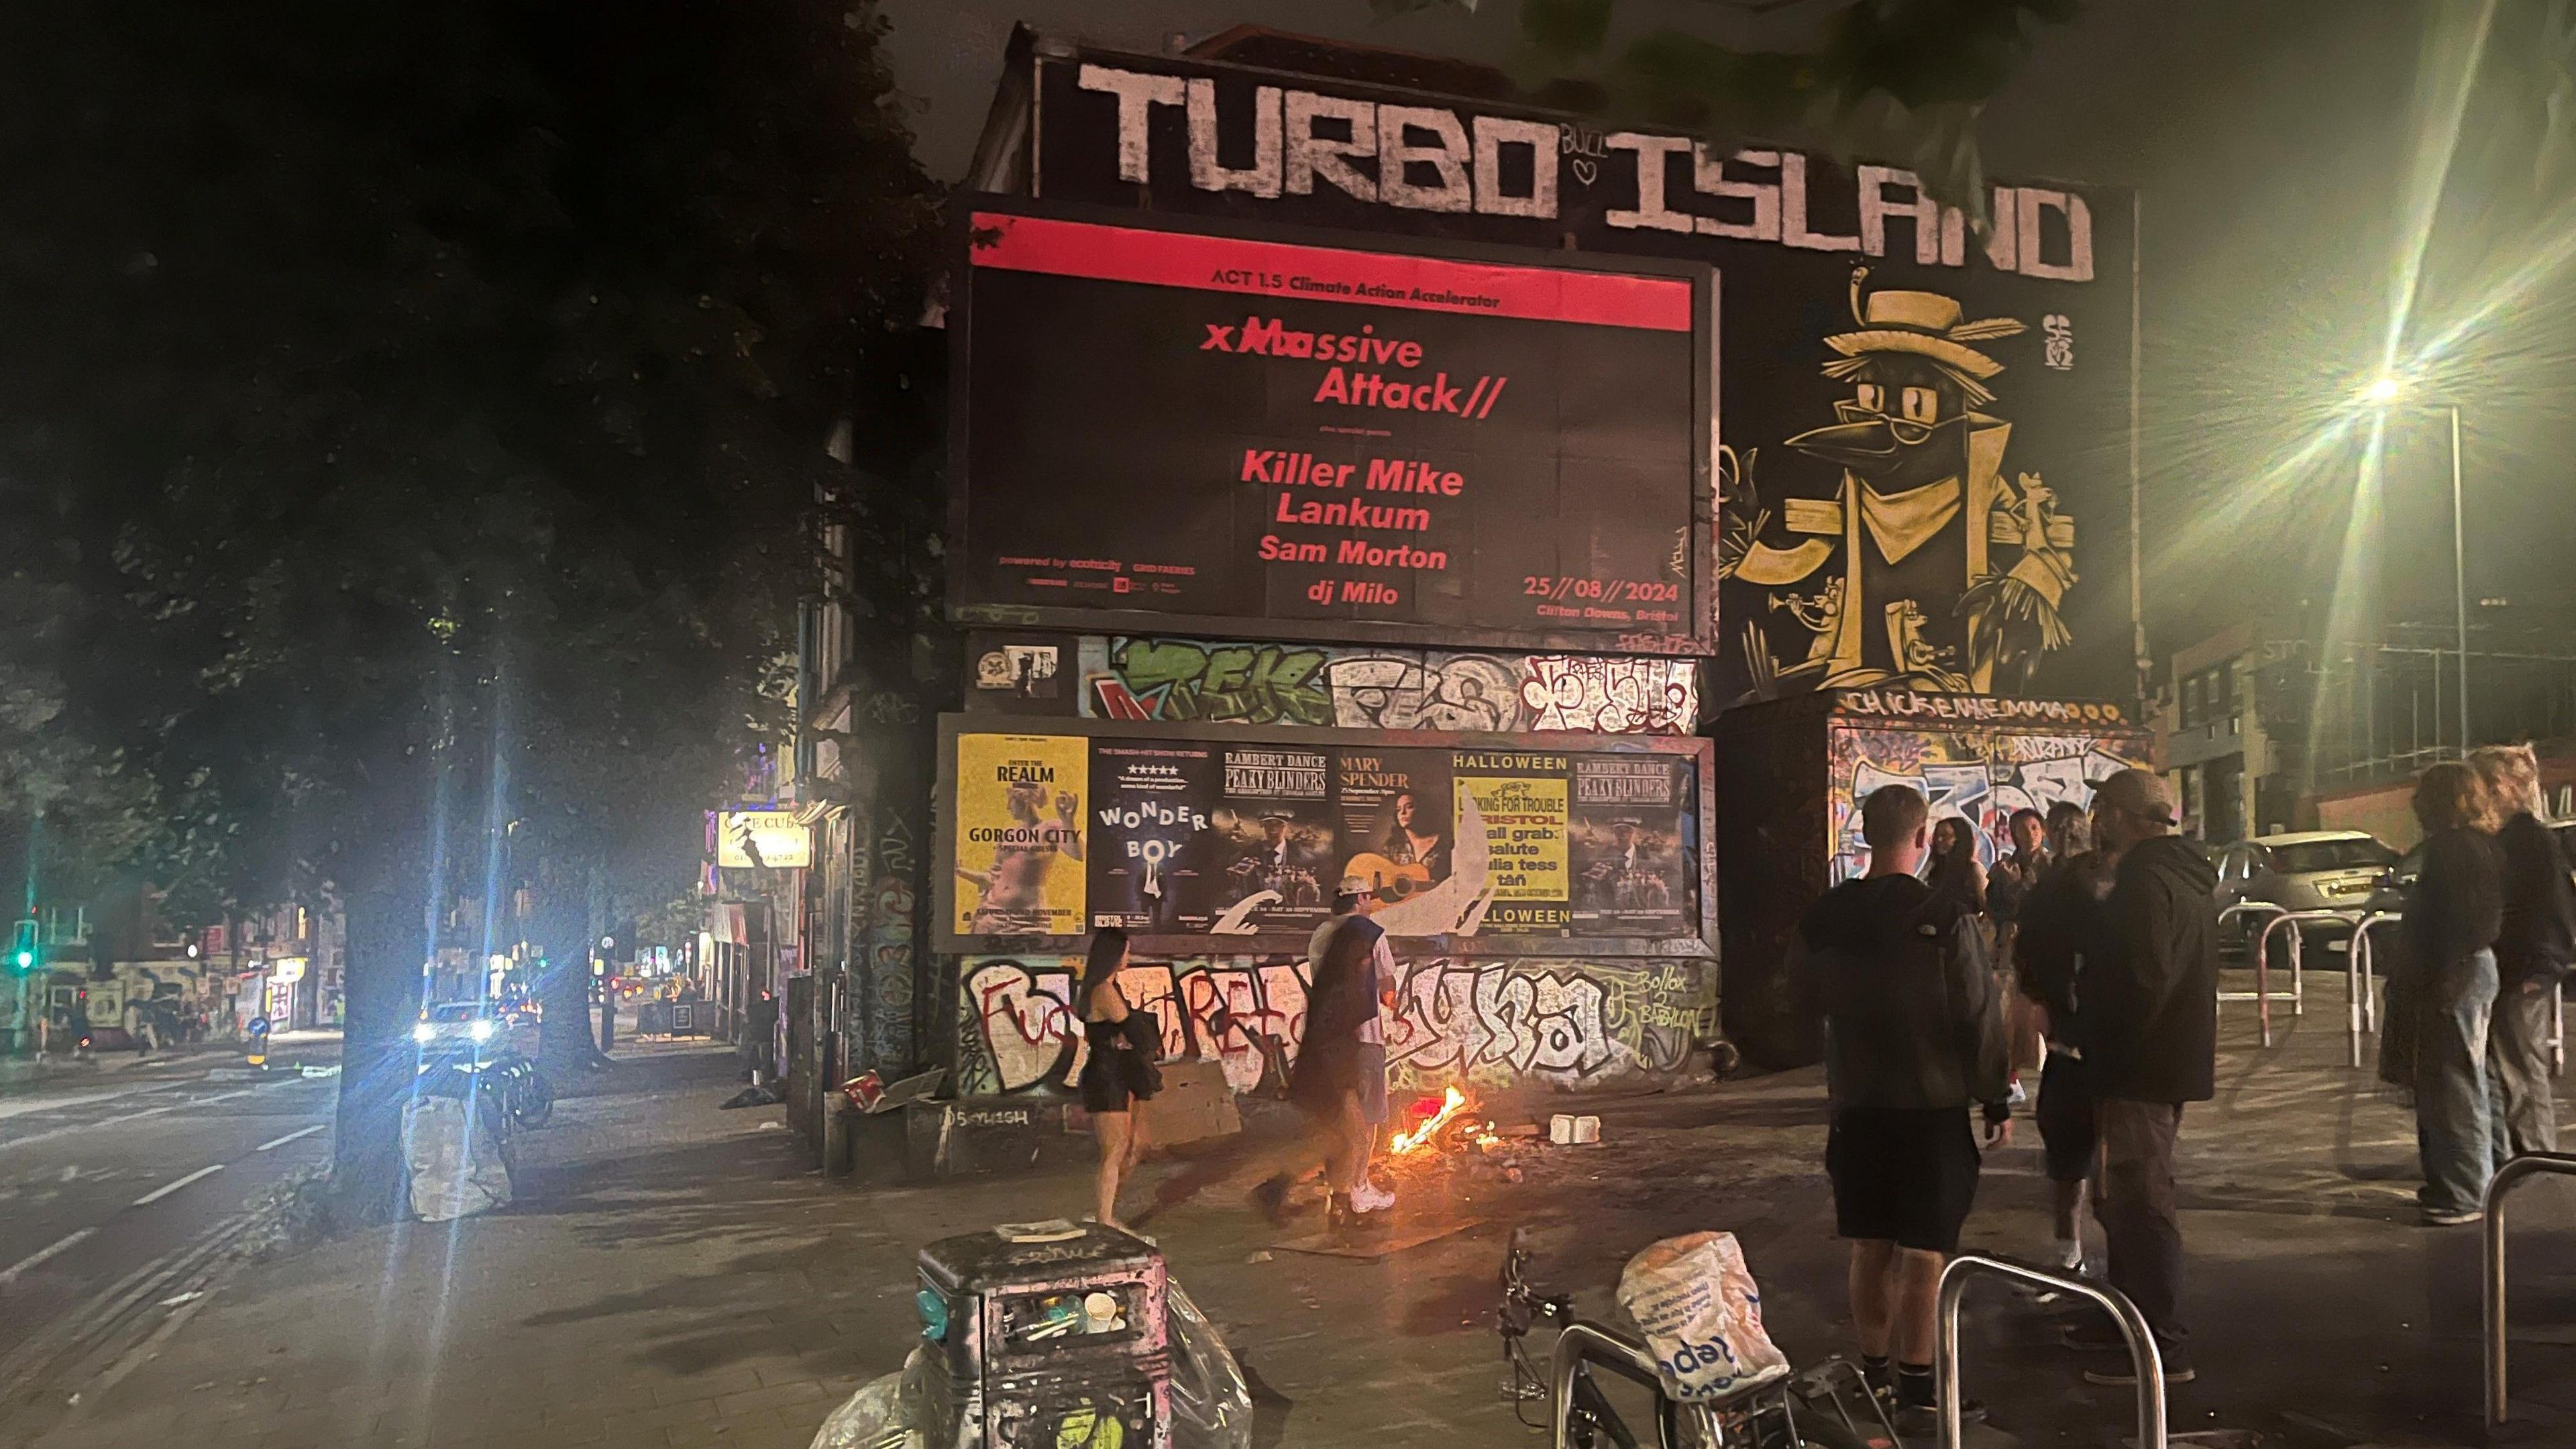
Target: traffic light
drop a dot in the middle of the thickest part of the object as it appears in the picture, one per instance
(22, 948)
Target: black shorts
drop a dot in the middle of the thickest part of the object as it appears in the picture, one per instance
(2065, 1113)
(1904, 1176)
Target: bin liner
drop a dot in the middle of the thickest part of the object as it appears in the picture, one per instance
(1695, 1303)
(457, 1168)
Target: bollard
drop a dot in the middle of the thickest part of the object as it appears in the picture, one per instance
(2361, 976)
(2507, 1177)
(2143, 1354)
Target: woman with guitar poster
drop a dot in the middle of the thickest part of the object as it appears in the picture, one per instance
(1405, 850)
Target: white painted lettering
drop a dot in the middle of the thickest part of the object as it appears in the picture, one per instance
(1446, 155)
(1708, 174)
(1493, 133)
(1207, 172)
(1793, 211)
(1313, 157)
(1135, 92)
(2078, 266)
(1876, 207)
(1652, 208)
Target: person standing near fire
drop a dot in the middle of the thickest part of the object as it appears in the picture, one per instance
(1339, 1078)
(1913, 1035)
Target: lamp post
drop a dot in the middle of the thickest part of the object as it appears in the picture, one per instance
(2383, 391)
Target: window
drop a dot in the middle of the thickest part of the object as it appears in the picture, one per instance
(2316, 855)
(2191, 701)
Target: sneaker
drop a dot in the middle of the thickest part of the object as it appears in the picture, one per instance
(1912, 1420)
(2121, 1372)
(2451, 1217)
(2020, 1095)
(1368, 1197)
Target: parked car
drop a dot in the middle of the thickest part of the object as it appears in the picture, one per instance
(2305, 870)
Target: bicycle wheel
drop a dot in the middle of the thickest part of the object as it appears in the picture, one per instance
(533, 1101)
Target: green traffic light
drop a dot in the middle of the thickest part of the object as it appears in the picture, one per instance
(26, 960)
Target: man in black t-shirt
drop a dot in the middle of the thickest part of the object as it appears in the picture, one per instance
(1913, 1034)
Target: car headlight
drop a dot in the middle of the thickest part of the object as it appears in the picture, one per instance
(481, 1030)
(424, 1033)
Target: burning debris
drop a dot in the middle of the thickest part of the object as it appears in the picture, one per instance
(1447, 1125)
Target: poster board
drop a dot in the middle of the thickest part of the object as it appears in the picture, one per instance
(1236, 840)
(1173, 425)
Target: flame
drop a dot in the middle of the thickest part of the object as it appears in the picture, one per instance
(1413, 1141)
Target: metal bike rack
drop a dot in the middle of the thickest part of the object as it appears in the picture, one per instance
(2361, 982)
(2263, 995)
(2507, 1177)
(2143, 1355)
(1581, 1343)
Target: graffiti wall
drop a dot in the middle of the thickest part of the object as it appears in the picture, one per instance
(1980, 775)
(1492, 1024)
(1363, 687)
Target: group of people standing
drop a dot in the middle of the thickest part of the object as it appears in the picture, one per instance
(2103, 934)
(2490, 932)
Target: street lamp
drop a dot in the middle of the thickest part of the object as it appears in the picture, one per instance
(2387, 390)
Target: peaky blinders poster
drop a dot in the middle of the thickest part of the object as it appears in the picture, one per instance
(1924, 441)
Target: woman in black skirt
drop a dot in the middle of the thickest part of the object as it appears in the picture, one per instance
(1120, 1069)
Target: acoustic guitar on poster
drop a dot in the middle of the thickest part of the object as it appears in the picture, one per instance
(1383, 881)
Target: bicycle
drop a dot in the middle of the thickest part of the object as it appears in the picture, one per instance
(1582, 1416)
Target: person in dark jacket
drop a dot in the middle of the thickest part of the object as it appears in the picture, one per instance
(2148, 1027)
(760, 1038)
(2535, 944)
(2453, 915)
(1913, 1035)
(2063, 921)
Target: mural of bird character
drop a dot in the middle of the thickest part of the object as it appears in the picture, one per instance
(1903, 579)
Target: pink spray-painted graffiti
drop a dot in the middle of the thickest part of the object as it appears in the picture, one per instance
(1979, 775)
(1495, 1024)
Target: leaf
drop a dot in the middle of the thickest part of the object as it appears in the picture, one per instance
(1566, 28)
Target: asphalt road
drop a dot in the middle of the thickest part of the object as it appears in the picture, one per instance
(118, 1193)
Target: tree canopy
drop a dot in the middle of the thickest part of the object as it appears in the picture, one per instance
(424, 411)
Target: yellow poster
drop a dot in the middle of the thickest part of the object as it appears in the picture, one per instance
(1020, 803)
(1524, 824)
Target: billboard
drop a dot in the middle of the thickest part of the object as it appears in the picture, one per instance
(1184, 425)
(1240, 838)
(1925, 437)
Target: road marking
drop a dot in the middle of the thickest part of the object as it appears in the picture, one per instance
(158, 1193)
(291, 1136)
(40, 1257)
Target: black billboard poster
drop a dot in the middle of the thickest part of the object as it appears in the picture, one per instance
(1925, 459)
(1395, 815)
(1325, 439)
(1274, 829)
(1153, 838)
(1628, 845)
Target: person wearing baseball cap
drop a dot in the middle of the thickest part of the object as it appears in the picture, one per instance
(2149, 1033)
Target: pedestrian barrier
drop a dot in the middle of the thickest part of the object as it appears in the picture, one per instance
(2143, 1355)
(2362, 977)
(2263, 995)
(2507, 1177)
